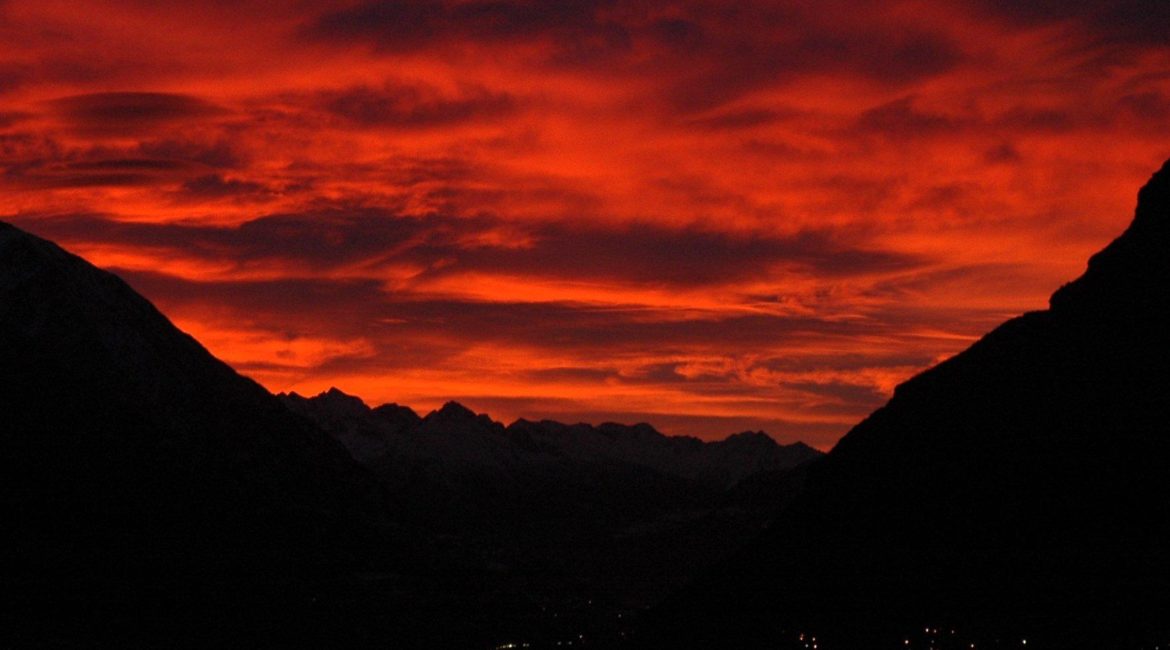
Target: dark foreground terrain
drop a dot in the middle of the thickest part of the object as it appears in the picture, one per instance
(1014, 492)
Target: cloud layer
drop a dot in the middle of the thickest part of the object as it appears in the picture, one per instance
(709, 216)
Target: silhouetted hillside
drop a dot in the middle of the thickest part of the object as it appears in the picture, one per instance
(154, 496)
(1016, 491)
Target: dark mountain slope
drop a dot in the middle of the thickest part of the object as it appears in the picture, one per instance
(1016, 491)
(150, 491)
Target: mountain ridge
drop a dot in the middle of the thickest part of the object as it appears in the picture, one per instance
(1012, 491)
(361, 429)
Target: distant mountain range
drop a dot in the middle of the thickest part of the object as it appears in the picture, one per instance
(1012, 496)
(154, 497)
(457, 437)
(609, 513)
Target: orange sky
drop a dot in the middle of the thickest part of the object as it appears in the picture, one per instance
(705, 216)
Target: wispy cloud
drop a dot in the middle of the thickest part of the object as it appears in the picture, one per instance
(713, 216)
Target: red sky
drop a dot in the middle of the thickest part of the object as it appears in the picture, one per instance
(710, 216)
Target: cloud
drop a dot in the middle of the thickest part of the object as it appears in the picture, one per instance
(10, 118)
(1122, 22)
(215, 186)
(437, 246)
(412, 24)
(768, 210)
(217, 153)
(810, 45)
(117, 172)
(401, 105)
(901, 119)
(12, 77)
(117, 113)
(650, 253)
(707, 59)
(747, 118)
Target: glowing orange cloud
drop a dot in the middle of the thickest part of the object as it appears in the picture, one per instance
(706, 216)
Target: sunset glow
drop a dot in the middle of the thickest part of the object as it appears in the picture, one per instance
(709, 216)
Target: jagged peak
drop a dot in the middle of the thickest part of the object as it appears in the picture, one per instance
(335, 394)
(641, 429)
(453, 409)
(455, 412)
(394, 407)
(802, 446)
(750, 436)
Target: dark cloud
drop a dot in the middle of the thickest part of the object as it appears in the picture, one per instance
(834, 394)
(359, 301)
(990, 277)
(571, 374)
(846, 362)
(901, 119)
(401, 105)
(1034, 120)
(892, 56)
(215, 186)
(403, 25)
(646, 253)
(741, 119)
(1003, 154)
(608, 330)
(678, 33)
(1146, 106)
(655, 254)
(1123, 22)
(9, 118)
(887, 54)
(573, 31)
(417, 171)
(705, 60)
(215, 153)
(12, 76)
(364, 308)
(129, 112)
(22, 149)
(120, 172)
(313, 240)
(392, 26)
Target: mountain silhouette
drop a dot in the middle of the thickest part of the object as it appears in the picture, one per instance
(609, 513)
(456, 434)
(153, 496)
(1014, 492)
